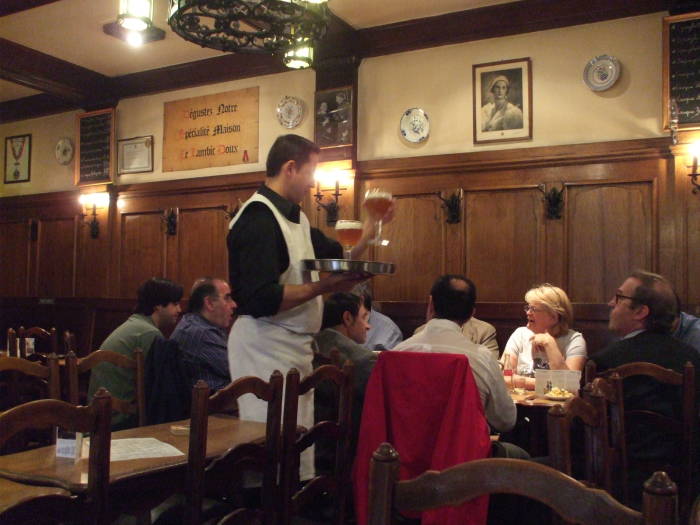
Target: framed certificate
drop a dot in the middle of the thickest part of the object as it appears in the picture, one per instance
(136, 155)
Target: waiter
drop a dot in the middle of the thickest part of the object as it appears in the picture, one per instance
(280, 305)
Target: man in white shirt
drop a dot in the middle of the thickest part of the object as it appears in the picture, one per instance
(451, 305)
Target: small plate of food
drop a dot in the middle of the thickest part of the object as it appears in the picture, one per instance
(558, 394)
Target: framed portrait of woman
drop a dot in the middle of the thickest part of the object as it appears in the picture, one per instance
(502, 101)
(333, 117)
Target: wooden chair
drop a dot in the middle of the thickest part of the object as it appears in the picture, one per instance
(597, 454)
(90, 508)
(682, 431)
(569, 498)
(297, 439)
(37, 332)
(223, 475)
(75, 367)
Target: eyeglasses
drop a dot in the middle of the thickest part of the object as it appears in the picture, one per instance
(619, 297)
(529, 308)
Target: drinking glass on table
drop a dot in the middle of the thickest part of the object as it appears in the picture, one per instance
(508, 374)
(349, 234)
(377, 203)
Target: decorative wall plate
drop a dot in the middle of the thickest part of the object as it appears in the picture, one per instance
(601, 72)
(414, 125)
(290, 112)
(64, 151)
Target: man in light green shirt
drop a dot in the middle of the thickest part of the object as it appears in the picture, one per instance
(158, 309)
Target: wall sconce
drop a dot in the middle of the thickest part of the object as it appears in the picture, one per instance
(693, 153)
(326, 179)
(90, 202)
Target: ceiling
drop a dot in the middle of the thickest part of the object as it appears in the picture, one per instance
(56, 52)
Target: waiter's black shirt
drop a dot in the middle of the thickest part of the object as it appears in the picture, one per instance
(257, 254)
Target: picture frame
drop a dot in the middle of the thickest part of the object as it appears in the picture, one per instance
(135, 155)
(681, 76)
(502, 93)
(95, 146)
(18, 158)
(333, 117)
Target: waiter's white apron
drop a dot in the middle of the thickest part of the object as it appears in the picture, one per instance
(259, 346)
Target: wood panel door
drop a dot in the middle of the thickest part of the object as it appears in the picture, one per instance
(15, 245)
(200, 246)
(610, 233)
(55, 257)
(504, 242)
(142, 249)
(421, 244)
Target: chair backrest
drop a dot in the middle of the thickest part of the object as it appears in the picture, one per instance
(569, 498)
(682, 430)
(37, 332)
(48, 376)
(597, 454)
(75, 367)
(297, 439)
(94, 419)
(224, 472)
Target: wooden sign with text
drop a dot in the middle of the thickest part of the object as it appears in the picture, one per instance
(213, 130)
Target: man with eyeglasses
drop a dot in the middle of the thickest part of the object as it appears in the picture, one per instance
(643, 311)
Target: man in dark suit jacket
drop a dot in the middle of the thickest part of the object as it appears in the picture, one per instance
(345, 326)
(643, 311)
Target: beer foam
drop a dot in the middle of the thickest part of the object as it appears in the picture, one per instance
(371, 194)
(348, 225)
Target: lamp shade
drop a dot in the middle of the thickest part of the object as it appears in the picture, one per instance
(300, 56)
(135, 15)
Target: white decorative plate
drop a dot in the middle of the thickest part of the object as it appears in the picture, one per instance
(415, 126)
(601, 72)
(290, 111)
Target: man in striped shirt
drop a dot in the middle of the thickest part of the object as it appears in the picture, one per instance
(202, 333)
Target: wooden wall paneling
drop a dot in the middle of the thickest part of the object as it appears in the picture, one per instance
(142, 249)
(418, 244)
(201, 245)
(692, 247)
(14, 262)
(554, 239)
(95, 257)
(610, 233)
(55, 257)
(504, 242)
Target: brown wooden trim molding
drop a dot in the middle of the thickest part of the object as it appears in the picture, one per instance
(514, 18)
(624, 150)
(34, 106)
(51, 75)
(236, 181)
(8, 7)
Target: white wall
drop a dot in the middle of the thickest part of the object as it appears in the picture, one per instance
(565, 111)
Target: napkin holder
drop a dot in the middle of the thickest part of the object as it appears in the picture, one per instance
(545, 380)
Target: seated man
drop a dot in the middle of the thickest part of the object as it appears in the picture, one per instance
(383, 333)
(344, 328)
(202, 333)
(157, 310)
(477, 331)
(643, 311)
(686, 327)
(450, 306)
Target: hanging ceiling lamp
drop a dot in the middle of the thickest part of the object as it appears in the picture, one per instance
(135, 15)
(277, 27)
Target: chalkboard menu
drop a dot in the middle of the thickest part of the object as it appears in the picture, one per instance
(682, 69)
(95, 147)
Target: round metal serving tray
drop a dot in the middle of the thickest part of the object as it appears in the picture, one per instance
(346, 265)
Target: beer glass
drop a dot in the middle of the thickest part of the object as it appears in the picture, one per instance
(377, 203)
(349, 234)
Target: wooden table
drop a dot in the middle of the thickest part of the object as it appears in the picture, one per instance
(530, 430)
(42, 467)
(12, 493)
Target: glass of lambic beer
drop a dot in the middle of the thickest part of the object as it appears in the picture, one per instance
(377, 203)
(349, 234)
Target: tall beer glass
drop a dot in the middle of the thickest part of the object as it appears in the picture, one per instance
(349, 234)
(377, 203)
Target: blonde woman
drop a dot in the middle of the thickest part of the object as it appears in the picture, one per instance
(547, 340)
